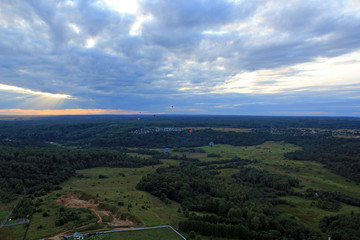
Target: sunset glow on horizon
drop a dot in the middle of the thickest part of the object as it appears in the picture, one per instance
(48, 112)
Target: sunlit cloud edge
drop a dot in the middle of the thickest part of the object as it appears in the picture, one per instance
(9, 88)
(47, 112)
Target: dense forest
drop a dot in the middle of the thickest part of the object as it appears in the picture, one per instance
(37, 154)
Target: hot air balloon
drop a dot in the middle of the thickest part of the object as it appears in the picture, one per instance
(211, 144)
(167, 150)
(190, 131)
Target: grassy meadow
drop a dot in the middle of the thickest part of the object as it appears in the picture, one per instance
(3, 215)
(311, 175)
(271, 158)
(302, 211)
(116, 187)
(120, 186)
(13, 232)
(149, 234)
(152, 234)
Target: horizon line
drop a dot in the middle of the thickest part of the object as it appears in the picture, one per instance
(123, 112)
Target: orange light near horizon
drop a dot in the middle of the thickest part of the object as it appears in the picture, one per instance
(70, 112)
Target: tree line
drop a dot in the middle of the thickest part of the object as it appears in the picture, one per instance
(41, 170)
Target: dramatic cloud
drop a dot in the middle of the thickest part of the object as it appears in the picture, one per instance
(203, 56)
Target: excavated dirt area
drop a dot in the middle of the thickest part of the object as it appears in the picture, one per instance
(73, 200)
(80, 200)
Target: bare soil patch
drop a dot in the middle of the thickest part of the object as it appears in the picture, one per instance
(76, 200)
(81, 200)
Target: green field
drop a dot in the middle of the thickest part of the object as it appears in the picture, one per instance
(13, 232)
(268, 151)
(271, 155)
(119, 185)
(311, 175)
(150, 234)
(310, 216)
(116, 187)
(3, 215)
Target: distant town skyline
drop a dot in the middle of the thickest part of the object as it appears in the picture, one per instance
(228, 57)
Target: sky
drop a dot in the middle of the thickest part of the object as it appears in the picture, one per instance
(228, 57)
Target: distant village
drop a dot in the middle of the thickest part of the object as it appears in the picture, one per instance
(310, 131)
(144, 131)
(292, 131)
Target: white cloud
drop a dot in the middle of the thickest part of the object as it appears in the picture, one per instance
(90, 42)
(122, 6)
(9, 88)
(322, 74)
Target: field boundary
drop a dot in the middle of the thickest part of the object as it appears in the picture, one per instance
(14, 224)
(130, 229)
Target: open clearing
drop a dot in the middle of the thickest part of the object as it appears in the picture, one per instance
(78, 200)
(119, 189)
(311, 174)
(116, 190)
(271, 158)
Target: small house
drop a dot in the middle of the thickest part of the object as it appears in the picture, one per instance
(78, 236)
